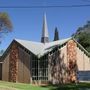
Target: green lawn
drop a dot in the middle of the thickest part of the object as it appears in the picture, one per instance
(20, 86)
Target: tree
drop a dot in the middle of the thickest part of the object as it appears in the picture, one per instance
(5, 24)
(56, 35)
(82, 35)
(1, 52)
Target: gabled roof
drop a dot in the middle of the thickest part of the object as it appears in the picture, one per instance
(34, 47)
(39, 49)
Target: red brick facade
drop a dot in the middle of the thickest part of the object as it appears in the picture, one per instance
(13, 63)
(59, 71)
(72, 65)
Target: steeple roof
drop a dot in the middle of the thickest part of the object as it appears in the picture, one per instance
(45, 27)
(45, 36)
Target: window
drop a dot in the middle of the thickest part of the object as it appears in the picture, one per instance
(34, 68)
(40, 68)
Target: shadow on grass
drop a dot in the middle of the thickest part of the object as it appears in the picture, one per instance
(79, 86)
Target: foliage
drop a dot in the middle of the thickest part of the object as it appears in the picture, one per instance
(1, 52)
(82, 35)
(56, 35)
(5, 23)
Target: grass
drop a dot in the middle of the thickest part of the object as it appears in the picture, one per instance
(21, 86)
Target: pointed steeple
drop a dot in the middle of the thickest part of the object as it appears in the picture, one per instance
(45, 37)
(56, 35)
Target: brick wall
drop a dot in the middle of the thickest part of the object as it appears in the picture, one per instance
(13, 63)
(72, 65)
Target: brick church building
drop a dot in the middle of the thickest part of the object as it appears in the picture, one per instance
(60, 61)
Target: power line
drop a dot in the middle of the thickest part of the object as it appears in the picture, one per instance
(85, 0)
(48, 6)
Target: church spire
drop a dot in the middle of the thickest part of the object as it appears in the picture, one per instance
(45, 37)
(56, 35)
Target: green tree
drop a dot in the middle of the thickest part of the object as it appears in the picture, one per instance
(82, 35)
(56, 35)
(5, 24)
(1, 52)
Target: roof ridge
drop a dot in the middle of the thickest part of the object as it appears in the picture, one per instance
(28, 41)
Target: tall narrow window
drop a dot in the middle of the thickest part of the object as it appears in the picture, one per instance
(43, 69)
(34, 68)
(40, 68)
